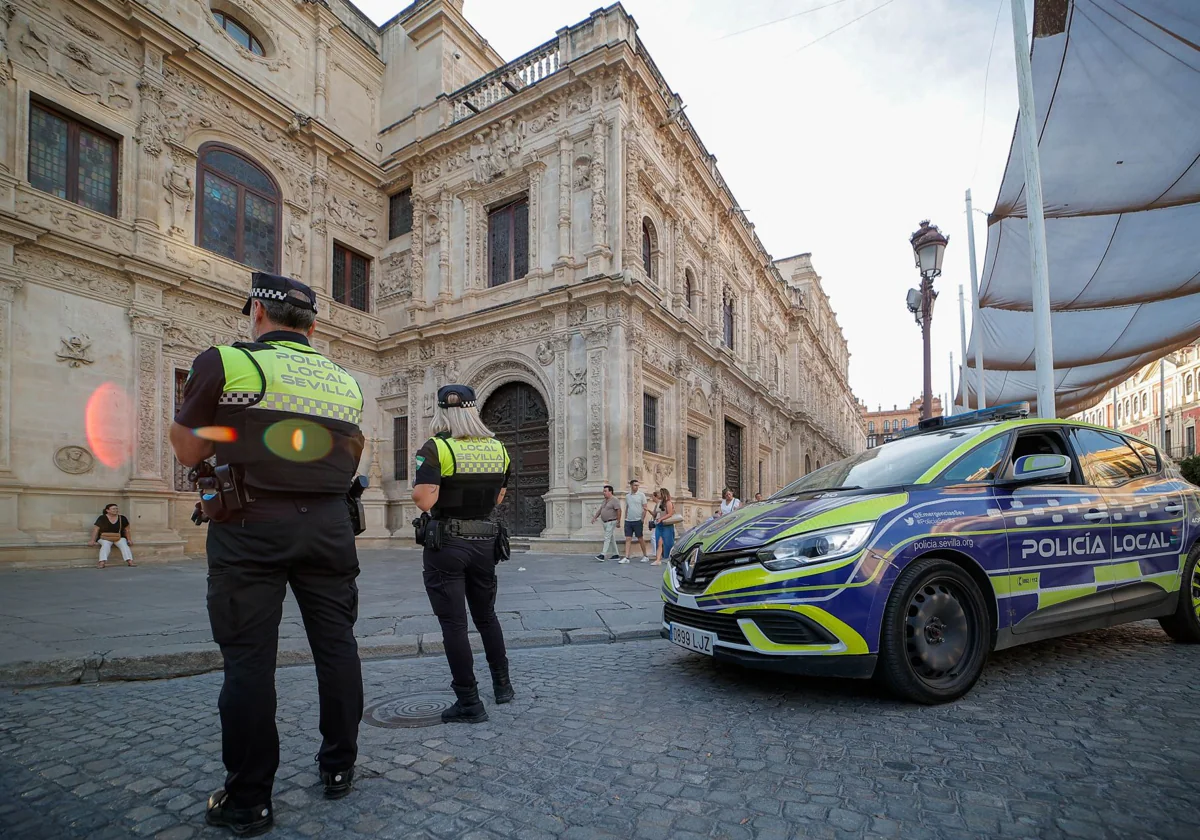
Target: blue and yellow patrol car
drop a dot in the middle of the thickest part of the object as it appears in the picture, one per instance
(912, 561)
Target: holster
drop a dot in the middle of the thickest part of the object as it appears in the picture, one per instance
(358, 514)
(502, 550)
(222, 495)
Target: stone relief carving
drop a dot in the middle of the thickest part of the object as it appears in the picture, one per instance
(178, 184)
(76, 351)
(583, 174)
(63, 218)
(544, 353)
(348, 214)
(74, 460)
(394, 385)
(496, 150)
(296, 248)
(397, 277)
(42, 263)
(76, 65)
(578, 381)
(578, 469)
(505, 335)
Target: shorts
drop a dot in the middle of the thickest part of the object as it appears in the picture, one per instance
(633, 528)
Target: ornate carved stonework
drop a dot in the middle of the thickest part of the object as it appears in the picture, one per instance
(76, 350)
(578, 469)
(74, 460)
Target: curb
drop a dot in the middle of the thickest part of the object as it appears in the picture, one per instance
(174, 661)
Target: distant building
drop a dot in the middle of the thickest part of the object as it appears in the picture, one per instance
(883, 425)
(1133, 405)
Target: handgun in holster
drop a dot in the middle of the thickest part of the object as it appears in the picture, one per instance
(427, 531)
(222, 495)
(358, 515)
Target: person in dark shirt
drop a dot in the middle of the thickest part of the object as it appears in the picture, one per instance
(109, 529)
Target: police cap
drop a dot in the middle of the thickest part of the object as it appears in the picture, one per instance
(456, 396)
(274, 287)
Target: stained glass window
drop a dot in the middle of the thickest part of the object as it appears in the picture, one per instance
(239, 209)
(400, 214)
(649, 423)
(508, 242)
(239, 33)
(693, 465)
(72, 161)
(351, 278)
(648, 249)
(400, 448)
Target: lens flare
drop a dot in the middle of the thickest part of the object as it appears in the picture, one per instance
(108, 423)
(217, 434)
(298, 440)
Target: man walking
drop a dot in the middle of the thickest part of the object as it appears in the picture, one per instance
(635, 519)
(608, 514)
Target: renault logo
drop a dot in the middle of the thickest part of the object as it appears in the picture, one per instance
(689, 564)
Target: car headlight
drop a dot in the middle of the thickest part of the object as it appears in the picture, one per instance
(817, 547)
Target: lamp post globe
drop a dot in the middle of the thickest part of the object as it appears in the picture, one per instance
(929, 246)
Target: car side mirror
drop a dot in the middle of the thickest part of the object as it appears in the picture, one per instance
(1036, 469)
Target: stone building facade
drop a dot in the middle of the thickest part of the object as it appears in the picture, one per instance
(884, 424)
(550, 231)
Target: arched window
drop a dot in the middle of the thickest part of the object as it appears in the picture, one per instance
(904, 423)
(871, 426)
(807, 464)
(727, 321)
(887, 425)
(1145, 403)
(239, 33)
(239, 210)
(689, 286)
(1188, 385)
(1127, 409)
(649, 249)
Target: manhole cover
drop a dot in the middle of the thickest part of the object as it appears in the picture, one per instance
(411, 710)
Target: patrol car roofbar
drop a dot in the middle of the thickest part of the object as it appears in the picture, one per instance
(1007, 411)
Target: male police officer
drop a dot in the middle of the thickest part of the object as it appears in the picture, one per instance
(462, 473)
(286, 420)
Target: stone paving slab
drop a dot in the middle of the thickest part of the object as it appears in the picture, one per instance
(87, 625)
(1096, 735)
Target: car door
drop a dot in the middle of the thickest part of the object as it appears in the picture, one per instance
(1058, 536)
(1146, 509)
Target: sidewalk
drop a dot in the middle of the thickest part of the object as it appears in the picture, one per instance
(62, 626)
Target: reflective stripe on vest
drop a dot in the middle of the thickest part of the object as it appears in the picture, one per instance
(472, 456)
(294, 379)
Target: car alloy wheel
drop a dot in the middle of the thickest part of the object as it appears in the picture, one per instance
(937, 632)
(1183, 625)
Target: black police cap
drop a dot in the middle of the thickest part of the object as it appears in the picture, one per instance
(275, 287)
(456, 396)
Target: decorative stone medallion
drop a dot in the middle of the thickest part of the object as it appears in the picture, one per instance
(74, 460)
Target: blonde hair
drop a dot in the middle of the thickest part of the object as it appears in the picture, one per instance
(461, 422)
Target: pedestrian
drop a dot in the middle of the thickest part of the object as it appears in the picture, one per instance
(283, 422)
(729, 502)
(653, 537)
(757, 498)
(609, 513)
(635, 518)
(462, 474)
(109, 529)
(665, 520)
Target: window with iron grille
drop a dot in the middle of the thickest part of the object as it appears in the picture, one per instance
(693, 465)
(72, 160)
(508, 242)
(400, 448)
(727, 314)
(181, 483)
(400, 214)
(649, 423)
(351, 278)
(649, 243)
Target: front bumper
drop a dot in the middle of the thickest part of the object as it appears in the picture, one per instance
(857, 666)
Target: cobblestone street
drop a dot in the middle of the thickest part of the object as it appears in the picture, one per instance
(1092, 736)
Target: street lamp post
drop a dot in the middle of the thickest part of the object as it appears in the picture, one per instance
(929, 246)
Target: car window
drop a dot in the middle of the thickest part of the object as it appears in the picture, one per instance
(1149, 454)
(1042, 441)
(1107, 459)
(983, 463)
(897, 462)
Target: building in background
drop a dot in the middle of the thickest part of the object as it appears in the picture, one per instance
(883, 425)
(1133, 405)
(551, 231)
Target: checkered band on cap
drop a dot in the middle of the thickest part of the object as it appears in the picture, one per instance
(294, 404)
(270, 294)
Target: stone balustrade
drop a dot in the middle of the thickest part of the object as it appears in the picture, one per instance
(500, 84)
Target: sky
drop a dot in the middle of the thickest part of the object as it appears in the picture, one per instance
(838, 146)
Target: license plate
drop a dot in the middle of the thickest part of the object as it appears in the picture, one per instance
(692, 639)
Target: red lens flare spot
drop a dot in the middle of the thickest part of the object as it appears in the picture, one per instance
(217, 434)
(108, 423)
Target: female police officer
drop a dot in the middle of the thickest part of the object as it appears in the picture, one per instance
(462, 473)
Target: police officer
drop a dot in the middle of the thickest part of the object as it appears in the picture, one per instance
(286, 419)
(462, 474)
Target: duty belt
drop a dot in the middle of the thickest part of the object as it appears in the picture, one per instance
(470, 529)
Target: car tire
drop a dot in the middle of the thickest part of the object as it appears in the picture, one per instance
(936, 633)
(1184, 624)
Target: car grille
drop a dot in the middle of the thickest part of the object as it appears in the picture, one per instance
(723, 624)
(709, 567)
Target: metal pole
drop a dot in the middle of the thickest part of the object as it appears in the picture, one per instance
(1162, 405)
(1043, 341)
(926, 317)
(1114, 408)
(962, 337)
(951, 410)
(980, 389)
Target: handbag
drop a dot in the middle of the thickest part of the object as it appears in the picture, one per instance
(110, 536)
(673, 519)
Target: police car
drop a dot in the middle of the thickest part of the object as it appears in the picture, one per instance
(912, 561)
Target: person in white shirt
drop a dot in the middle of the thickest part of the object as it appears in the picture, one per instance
(635, 519)
(729, 503)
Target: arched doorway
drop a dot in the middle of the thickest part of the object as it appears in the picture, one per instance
(517, 416)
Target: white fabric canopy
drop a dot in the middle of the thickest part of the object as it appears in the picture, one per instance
(1117, 90)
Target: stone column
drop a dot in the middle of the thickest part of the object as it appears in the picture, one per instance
(319, 232)
(600, 255)
(149, 434)
(149, 139)
(566, 150)
(535, 171)
(321, 84)
(9, 494)
(446, 280)
(7, 11)
(418, 252)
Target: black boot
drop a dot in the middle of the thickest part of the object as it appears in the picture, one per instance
(244, 822)
(501, 686)
(468, 709)
(337, 783)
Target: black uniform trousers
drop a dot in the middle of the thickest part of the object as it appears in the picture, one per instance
(308, 543)
(462, 574)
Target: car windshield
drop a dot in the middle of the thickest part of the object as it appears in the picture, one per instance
(898, 462)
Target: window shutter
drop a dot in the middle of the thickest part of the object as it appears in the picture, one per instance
(498, 247)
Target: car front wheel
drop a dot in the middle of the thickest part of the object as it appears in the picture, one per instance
(936, 633)
(1184, 624)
